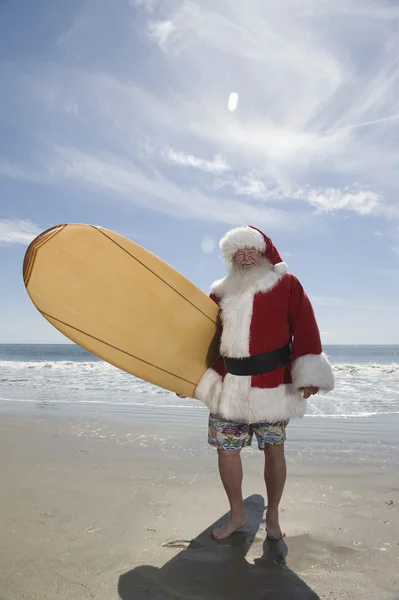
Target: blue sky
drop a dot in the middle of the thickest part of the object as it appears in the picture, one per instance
(116, 113)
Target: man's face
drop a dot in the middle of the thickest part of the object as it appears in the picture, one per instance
(247, 258)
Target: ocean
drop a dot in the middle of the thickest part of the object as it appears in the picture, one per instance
(367, 381)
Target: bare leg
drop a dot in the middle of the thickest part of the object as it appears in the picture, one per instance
(275, 476)
(230, 468)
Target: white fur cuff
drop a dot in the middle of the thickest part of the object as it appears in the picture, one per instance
(313, 370)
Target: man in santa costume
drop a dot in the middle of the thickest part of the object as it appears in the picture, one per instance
(271, 361)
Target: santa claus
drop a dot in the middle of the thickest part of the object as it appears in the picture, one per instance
(271, 357)
(271, 361)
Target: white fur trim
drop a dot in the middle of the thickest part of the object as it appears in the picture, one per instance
(236, 318)
(239, 238)
(281, 268)
(235, 400)
(313, 370)
(209, 388)
(237, 292)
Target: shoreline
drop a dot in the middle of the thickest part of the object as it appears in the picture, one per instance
(116, 410)
(378, 429)
(370, 443)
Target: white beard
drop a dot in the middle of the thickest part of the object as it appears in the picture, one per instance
(242, 279)
(236, 292)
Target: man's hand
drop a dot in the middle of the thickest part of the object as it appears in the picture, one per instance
(309, 391)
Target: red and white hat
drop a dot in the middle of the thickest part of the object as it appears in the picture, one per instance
(250, 237)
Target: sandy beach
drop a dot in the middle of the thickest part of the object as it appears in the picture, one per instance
(106, 506)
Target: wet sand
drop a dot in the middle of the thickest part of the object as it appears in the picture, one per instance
(108, 507)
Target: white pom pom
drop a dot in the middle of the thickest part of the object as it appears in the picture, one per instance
(281, 268)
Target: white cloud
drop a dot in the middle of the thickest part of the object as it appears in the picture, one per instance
(362, 202)
(160, 31)
(217, 165)
(16, 231)
(251, 185)
(330, 200)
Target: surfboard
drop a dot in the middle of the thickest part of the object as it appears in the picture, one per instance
(123, 304)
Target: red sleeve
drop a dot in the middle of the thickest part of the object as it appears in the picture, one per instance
(304, 328)
(310, 366)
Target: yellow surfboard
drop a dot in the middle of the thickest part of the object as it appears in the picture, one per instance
(123, 304)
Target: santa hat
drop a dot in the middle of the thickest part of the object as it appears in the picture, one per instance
(250, 237)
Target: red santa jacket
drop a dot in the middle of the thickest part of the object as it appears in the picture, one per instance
(268, 313)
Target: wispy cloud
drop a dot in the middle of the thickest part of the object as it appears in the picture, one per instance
(249, 184)
(16, 231)
(217, 165)
(368, 123)
(316, 130)
(155, 192)
(331, 200)
(363, 202)
(22, 171)
(160, 31)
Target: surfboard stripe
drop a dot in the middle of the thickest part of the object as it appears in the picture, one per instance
(156, 275)
(47, 316)
(31, 252)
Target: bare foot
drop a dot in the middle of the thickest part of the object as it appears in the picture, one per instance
(273, 529)
(225, 531)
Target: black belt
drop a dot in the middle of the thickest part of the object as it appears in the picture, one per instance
(260, 363)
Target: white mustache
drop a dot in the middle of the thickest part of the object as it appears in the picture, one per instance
(248, 262)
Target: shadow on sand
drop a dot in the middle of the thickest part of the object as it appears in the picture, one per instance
(209, 570)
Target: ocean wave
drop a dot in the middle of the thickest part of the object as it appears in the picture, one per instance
(367, 369)
(353, 415)
(101, 366)
(361, 390)
(195, 407)
(61, 365)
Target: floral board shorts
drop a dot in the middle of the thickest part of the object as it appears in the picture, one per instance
(229, 435)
